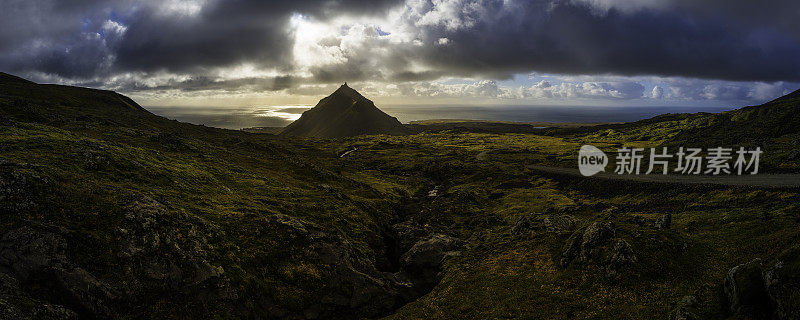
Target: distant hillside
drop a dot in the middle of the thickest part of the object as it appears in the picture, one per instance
(754, 125)
(342, 114)
(773, 126)
(57, 104)
(489, 126)
(100, 114)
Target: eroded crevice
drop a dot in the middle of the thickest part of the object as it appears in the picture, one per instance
(414, 247)
(390, 262)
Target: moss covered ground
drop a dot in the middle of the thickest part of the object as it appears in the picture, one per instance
(81, 160)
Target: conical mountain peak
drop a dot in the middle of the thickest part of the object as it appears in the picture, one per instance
(345, 90)
(344, 113)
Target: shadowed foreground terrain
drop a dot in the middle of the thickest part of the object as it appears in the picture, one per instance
(109, 211)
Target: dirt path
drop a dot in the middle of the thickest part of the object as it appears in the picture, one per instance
(758, 180)
(348, 152)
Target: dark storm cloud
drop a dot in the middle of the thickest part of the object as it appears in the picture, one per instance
(212, 39)
(225, 32)
(98, 39)
(575, 38)
(44, 35)
(781, 14)
(200, 83)
(48, 36)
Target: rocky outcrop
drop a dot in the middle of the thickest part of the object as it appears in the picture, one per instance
(779, 289)
(622, 257)
(354, 285)
(422, 264)
(166, 251)
(663, 222)
(583, 247)
(408, 233)
(21, 186)
(559, 223)
(686, 309)
(757, 290)
(597, 234)
(522, 226)
(744, 288)
(33, 256)
(155, 259)
(428, 255)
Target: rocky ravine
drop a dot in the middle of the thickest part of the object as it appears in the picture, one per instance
(165, 253)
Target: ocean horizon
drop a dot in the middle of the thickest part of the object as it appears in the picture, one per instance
(279, 116)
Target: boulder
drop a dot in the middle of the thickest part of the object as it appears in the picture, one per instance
(686, 309)
(744, 288)
(597, 234)
(622, 257)
(423, 263)
(407, 233)
(582, 247)
(663, 222)
(775, 289)
(782, 285)
(431, 253)
(38, 257)
(522, 226)
(759, 291)
(435, 192)
(559, 223)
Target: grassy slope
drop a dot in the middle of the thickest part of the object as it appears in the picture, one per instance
(773, 126)
(506, 276)
(91, 155)
(92, 159)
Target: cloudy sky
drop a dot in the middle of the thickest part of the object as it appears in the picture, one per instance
(548, 52)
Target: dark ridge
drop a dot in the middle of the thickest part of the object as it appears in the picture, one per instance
(59, 105)
(793, 95)
(6, 78)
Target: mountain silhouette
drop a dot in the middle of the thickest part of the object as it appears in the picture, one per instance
(344, 113)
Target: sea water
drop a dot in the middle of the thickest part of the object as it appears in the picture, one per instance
(279, 116)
